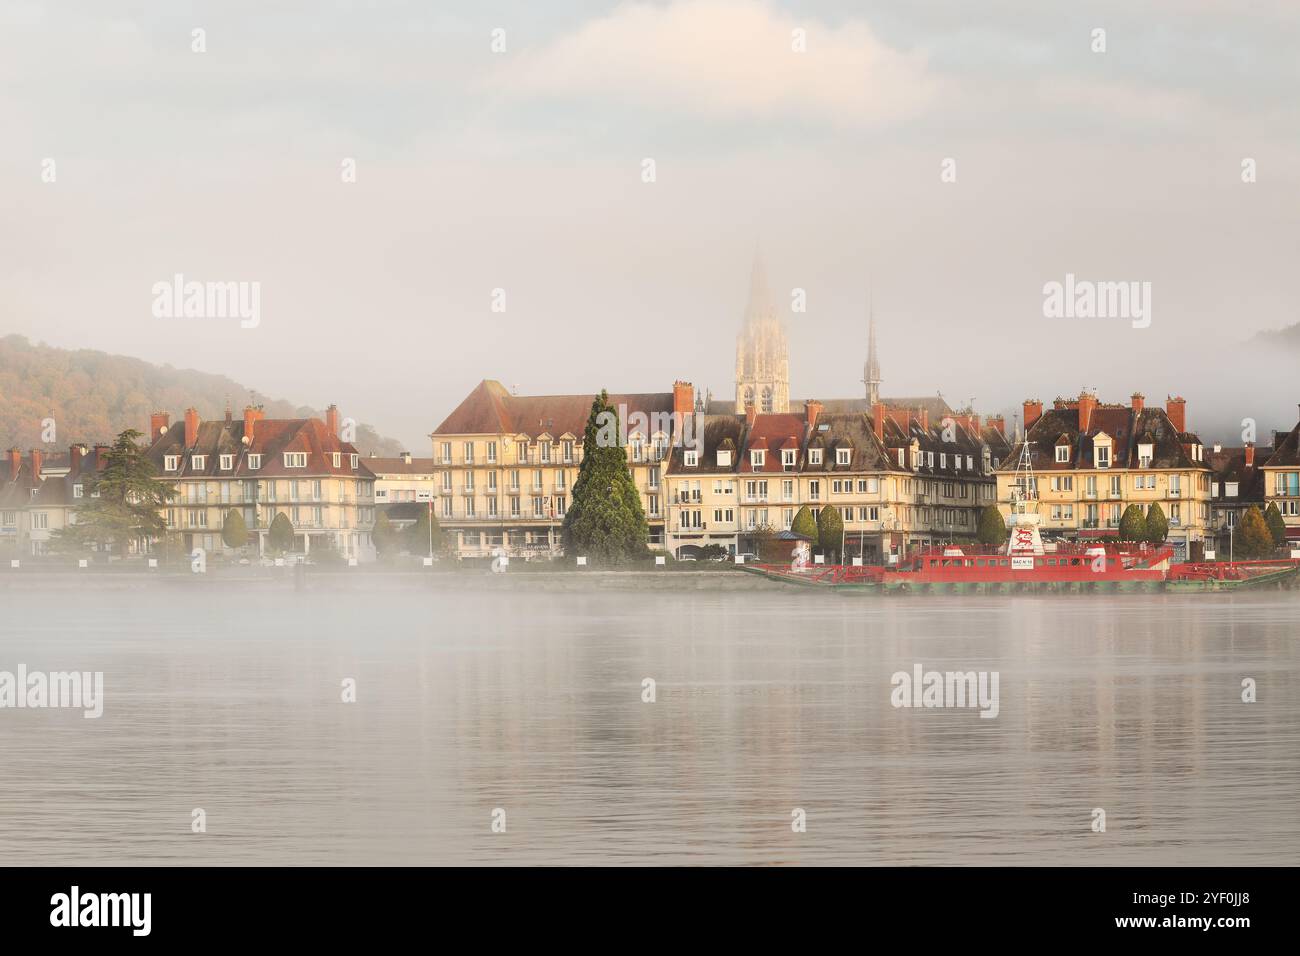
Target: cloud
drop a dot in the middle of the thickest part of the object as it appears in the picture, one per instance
(724, 59)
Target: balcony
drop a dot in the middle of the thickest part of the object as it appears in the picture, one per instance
(1089, 523)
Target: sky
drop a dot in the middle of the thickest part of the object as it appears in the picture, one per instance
(523, 169)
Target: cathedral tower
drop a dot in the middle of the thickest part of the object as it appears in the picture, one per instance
(762, 357)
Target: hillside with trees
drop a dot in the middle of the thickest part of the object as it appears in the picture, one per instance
(94, 396)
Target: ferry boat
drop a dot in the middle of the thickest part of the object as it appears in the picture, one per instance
(1027, 564)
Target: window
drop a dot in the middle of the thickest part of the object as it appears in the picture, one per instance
(356, 460)
(1144, 455)
(521, 452)
(171, 462)
(758, 457)
(1102, 455)
(295, 459)
(654, 476)
(338, 459)
(546, 452)
(567, 445)
(814, 456)
(787, 459)
(689, 458)
(814, 489)
(444, 452)
(724, 457)
(197, 462)
(40, 520)
(254, 462)
(469, 452)
(539, 506)
(943, 459)
(638, 448)
(77, 490)
(492, 452)
(1230, 489)
(787, 489)
(930, 458)
(843, 456)
(1062, 453)
(491, 507)
(561, 505)
(9, 519)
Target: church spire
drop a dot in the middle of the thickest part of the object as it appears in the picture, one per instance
(871, 371)
(760, 306)
(762, 354)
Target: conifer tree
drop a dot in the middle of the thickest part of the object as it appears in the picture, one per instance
(280, 537)
(1253, 539)
(605, 520)
(1133, 524)
(123, 502)
(1277, 526)
(804, 524)
(992, 528)
(234, 533)
(830, 530)
(1157, 525)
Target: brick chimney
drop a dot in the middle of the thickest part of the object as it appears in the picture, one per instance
(683, 398)
(1087, 405)
(813, 410)
(1250, 455)
(1139, 402)
(1177, 411)
(15, 456)
(751, 413)
(75, 454)
(158, 422)
(38, 457)
(191, 426)
(332, 420)
(1033, 410)
(101, 457)
(251, 415)
(878, 419)
(998, 422)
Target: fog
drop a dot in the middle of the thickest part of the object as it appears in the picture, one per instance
(523, 170)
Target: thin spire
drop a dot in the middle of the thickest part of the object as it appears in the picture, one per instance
(760, 305)
(871, 371)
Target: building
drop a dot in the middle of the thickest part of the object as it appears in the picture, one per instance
(505, 464)
(1236, 483)
(19, 482)
(1092, 460)
(262, 467)
(1282, 481)
(54, 502)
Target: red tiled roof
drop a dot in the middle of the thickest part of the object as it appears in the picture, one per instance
(272, 437)
(491, 410)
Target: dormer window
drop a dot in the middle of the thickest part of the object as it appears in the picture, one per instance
(171, 462)
(1145, 450)
(338, 459)
(724, 457)
(843, 456)
(943, 459)
(1063, 454)
(295, 459)
(929, 459)
(787, 459)
(77, 490)
(197, 461)
(1102, 456)
(758, 457)
(1230, 489)
(356, 460)
(814, 456)
(254, 462)
(690, 458)
(902, 458)
(227, 462)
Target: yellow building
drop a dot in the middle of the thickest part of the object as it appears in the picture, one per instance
(1282, 481)
(262, 467)
(1092, 460)
(505, 464)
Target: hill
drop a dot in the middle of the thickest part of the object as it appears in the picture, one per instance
(92, 396)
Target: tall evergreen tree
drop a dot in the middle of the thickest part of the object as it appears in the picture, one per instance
(1277, 526)
(280, 537)
(1253, 539)
(418, 536)
(830, 530)
(233, 530)
(1157, 524)
(992, 528)
(605, 520)
(384, 535)
(122, 504)
(805, 524)
(1133, 524)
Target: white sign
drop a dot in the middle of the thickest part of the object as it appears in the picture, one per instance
(819, 559)
(83, 563)
(1022, 563)
(153, 562)
(582, 562)
(14, 563)
(857, 562)
(659, 560)
(1209, 554)
(424, 496)
(352, 562)
(740, 559)
(428, 562)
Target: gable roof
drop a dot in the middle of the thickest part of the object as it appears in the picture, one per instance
(1125, 426)
(271, 438)
(489, 409)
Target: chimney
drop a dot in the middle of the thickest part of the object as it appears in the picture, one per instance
(1087, 405)
(229, 416)
(751, 413)
(813, 411)
(1250, 455)
(1177, 411)
(1139, 402)
(878, 419)
(251, 415)
(998, 422)
(75, 454)
(15, 462)
(683, 398)
(101, 457)
(158, 425)
(332, 420)
(406, 457)
(1033, 410)
(191, 426)
(37, 456)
